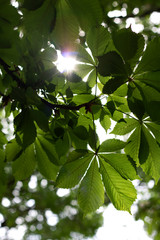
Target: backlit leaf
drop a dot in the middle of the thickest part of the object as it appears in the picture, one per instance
(91, 190)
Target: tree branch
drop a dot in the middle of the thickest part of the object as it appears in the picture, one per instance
(68, 107)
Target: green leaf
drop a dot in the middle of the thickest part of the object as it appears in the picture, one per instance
(151, 58)
(88, 13)
(129, 44)
(82, 98)
(66, 28)
(98, 43)
(44, 15)
(72, 172)
(25, 126)
(49, 148)
(83, 56)
(92, 78)
(91, 190)
(111, 145)
(81, 132)
(152, 165)
(125, 126)
(25, 164)
(151, 98)
(49, 54)
(113, 84)
(12, 150)
(135, 101)
(150, 78)
(46, 167)
(111, 64)
(155, 128)
(93, 139)
(133, 145)
(41, 119)
(3, 139)
(120, 191)
(105, 120)
(122, 164)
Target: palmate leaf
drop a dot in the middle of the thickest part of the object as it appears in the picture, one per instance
(25, 164)
(72, 172)
(91, 190)
(120, 191)
(45, 166)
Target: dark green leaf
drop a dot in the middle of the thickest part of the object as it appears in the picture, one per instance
(111, 64)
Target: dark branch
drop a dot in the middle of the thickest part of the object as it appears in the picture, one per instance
(11, 73)
(68, 107)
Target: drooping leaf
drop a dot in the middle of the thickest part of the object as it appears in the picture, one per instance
(45, 166)
(91, 190)
(111, 145)
(49, 148)
(25, 164)
(72, 172)
(120, 191)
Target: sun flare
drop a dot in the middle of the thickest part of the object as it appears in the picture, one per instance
(65, 63)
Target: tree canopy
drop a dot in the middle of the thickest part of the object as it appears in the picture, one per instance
(115, 80)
